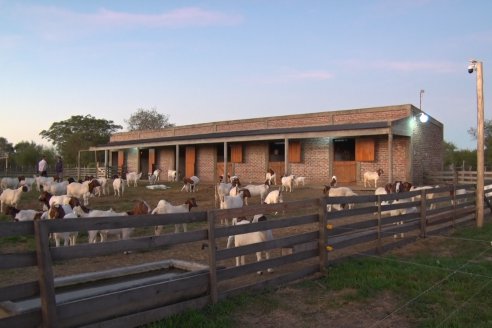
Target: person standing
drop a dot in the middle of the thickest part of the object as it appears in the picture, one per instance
(42, 167)
(59, 169)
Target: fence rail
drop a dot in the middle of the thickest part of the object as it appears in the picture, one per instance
(307, 238)
(454, 177)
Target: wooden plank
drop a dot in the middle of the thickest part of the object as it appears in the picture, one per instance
(223, 254)
(18, 291)
(160, 313)
(133, 244)
(23, 320)
(322, 229)
(107, 306)
(10, 229)
(273, 282)
(117, 222)
(265, 225)
(45, 274)
(233, 272)
(17, 260)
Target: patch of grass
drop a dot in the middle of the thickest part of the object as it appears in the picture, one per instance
(450, 288)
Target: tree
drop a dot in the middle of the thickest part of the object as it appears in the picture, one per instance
(78, 133)
(145, 119)
(5, 147)
(28, 154)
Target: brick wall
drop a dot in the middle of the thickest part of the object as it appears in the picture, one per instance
(253, 168)
(427, 149)
(205, 162)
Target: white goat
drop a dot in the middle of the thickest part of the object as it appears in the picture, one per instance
(274, 197)
(287, 182)
(11, 197)
(299, 180)
(118, 186)
(154, 177)
(164, 207)
(172, 175)
(56, 188)
(40, 181)
(372, 176)
(338, 192)
(104, 186)
(191, 184)
(28, 182)
(234, 202)
(9, 183)
(259, 190)
(250, 238)
(63, 212)
(82, 190)
(133, 177)
(121, 233)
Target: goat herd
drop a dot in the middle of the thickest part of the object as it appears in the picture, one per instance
(69, 200)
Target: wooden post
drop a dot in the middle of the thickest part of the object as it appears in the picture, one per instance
(212, 263)
(379, 243)
(46, 279)
(454, 205)
(322, 224)
(423, 213)
(480, 146)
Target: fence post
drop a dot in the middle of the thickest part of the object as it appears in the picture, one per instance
(379, 242)
(453, 188)
(45, 270)
(423, 213)
(323, 226)
(212, 263)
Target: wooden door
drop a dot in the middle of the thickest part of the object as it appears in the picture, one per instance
(345, 171)
(190, 161)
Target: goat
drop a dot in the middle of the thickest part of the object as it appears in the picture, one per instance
(56, 188)
(236, 201)
(28, 182)
(104, 187)
(338, 192)
(287, 182)
(236, 190)
(118, 187)
(164, 207)
(372, 176)
(274, 197)
(190, 184)
(270, 175)
(23, 215)
(40, 181)
(63, 212)
(11, 197)
(299, 180)
(259, 190)
(121, 233)
(82, 190)
(154, 177)
(333, 182)
(172, 175)
(133, 177)
(140, 207)
(9, 183)
(250, 238)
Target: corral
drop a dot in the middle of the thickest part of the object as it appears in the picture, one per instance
(303, 233)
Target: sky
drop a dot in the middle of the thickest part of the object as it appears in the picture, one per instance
(206, 61)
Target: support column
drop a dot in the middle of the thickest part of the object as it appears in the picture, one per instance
(390, 156)
(176, 162)
(286, 158)
(225, 162)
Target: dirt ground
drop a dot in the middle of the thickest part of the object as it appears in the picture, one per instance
(299, 307)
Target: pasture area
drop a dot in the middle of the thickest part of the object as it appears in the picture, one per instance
(300, 225)
(205, 199)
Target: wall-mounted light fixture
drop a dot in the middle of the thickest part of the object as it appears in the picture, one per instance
(423, 117)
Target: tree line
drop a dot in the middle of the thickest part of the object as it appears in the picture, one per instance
(74, 134)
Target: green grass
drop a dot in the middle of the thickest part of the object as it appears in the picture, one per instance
(446, 284)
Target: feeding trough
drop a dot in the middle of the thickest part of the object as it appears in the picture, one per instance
(89, 297)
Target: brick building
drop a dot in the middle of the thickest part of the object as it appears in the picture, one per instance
(345, 143)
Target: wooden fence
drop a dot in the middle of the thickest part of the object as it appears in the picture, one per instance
(454, 177)
(307, 238)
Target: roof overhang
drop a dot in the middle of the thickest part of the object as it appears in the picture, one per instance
(326, 131)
